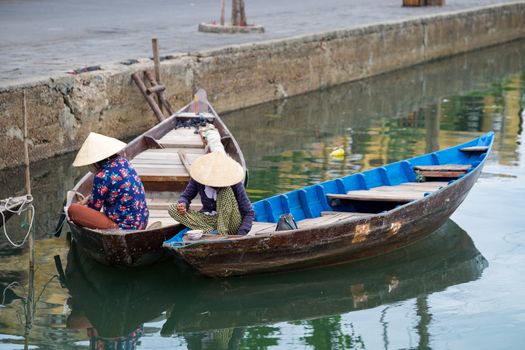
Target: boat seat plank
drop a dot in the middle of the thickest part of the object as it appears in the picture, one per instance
(349, 214)
(261, 227)
(166, 160)
(429, 185)
(168, 153)
(328, 219)
(444, 167)
(402, 193)
(475, 149)
(413, 186)
(364, 195)
(159, 174)
(162, 216)
(183, 138)
(442, 174)
(181, 143)
(160, 169)
(159, 204)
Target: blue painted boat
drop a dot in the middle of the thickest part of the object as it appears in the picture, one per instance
(350, 218)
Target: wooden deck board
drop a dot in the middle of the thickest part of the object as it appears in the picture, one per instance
(168, 152)
(183, 138)
(412, 186)
(444, 167)
(364, 195)
(328, 219)
(262, 227)
(349, 214)
(475, 149)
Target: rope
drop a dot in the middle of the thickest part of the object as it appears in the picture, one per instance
(9, 287)
(26, 205)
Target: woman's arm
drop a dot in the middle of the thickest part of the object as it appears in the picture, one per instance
(245, 208)
(189, 193)
(99, 191)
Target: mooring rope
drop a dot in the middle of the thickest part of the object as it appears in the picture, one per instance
(26, 205)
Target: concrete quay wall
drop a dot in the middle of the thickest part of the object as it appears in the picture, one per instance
(62, 110)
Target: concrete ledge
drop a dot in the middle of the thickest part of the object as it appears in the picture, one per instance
(229, 29)
(64, 109)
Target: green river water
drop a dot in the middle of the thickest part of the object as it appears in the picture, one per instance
(462, 287)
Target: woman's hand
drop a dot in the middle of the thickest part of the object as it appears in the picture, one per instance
(181, 208)
(84, 201)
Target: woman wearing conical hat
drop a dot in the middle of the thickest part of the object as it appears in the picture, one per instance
(226, 209)
(117, 199)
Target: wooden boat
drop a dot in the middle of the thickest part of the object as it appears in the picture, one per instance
(351, 218)
(161, 157)
(404, 274)
(13, 205)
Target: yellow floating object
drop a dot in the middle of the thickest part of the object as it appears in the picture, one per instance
(340, 152)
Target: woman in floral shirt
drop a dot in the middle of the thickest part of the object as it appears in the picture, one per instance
(117, 189)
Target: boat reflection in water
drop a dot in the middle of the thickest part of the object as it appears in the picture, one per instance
(112, 304)
(215, 312)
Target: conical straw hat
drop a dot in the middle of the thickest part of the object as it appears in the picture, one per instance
(97, 147)
(216, 169)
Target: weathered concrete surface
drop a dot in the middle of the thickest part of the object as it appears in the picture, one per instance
(63, 110)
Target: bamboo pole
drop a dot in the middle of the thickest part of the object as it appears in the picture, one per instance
(156, 63)
(235, 12)
(30, 288)
(222, 12)
(242, 14)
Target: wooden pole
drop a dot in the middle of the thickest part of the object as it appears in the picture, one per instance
(242, 21)
(235, 12)
(164, 105)
(156, 62)
(154, 106)
(222, 12)
(31, 244)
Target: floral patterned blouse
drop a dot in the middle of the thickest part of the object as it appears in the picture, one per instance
(117, 188)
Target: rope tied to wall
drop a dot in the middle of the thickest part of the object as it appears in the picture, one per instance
(17, 205)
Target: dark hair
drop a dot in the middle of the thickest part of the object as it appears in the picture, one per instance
(101, 163)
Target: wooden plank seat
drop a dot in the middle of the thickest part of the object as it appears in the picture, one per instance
(444, 171)
(475, 149)
(261, 227)
(162, 216)
(181, 138)
(161, 165)
(402, 193)
(160, 200)
(329, 219)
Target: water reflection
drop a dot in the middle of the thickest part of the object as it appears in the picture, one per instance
(383, 119)
(113, 304)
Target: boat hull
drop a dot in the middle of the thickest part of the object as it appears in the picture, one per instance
(347, 240)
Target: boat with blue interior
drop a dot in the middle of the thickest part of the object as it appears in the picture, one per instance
(351, 218)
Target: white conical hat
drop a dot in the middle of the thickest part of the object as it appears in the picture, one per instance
(97, 147)
(216, 169)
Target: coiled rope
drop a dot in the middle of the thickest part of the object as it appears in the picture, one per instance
(25, 205)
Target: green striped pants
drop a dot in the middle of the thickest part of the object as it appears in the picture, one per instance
(226, 221)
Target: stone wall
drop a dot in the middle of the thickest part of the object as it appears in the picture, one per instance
(62, 110)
